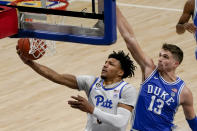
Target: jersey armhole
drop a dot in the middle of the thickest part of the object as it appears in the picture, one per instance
(92, 85)
(194, 15)
(179, 93)
(150, 76)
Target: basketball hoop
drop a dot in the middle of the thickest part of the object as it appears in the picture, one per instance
(42, 46)
(62, 6)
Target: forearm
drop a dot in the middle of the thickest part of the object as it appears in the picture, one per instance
(123, 25)
(44, 71)
(66, 79)
(126, 32)
(117, 120)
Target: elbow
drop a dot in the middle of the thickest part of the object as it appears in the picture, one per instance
(179, 32)
(179, 29)
(120, 123)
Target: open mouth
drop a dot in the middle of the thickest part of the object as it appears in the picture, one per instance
(103, 71)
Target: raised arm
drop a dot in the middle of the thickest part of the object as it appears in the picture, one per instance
(146, 63)
(63, 79)
(186, 99)
(183, 24)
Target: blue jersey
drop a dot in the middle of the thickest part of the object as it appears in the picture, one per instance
(157, 104)
(195, 17)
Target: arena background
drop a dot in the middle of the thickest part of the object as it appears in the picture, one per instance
(30, 102)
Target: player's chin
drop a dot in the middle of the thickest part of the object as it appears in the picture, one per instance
(160, 68)
(103, 76)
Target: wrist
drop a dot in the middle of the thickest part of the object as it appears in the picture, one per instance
(193, 123)
(30, 62)
(92, 108)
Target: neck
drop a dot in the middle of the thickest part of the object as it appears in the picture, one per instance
(112, 81)
(168, 76)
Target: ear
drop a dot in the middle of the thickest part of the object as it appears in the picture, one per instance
(120, 73)
(176, 63)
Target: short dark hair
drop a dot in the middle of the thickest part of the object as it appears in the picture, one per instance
(127, 65)
(175, 50)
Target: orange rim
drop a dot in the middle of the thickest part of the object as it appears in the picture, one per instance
(56, 8)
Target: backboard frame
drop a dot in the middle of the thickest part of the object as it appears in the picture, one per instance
(109, 18)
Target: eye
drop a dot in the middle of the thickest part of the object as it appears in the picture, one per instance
(166, 56)
(111, 63)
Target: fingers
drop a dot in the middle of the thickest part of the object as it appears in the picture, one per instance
(78, 102)
(74, 97)
(79, 98)
(19, 52)
(17, 47)
(74, 104)
(190, 27)
(81, 103)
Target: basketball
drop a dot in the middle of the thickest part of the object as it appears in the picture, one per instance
(38, 48)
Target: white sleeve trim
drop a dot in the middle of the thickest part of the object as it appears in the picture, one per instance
(117, 120)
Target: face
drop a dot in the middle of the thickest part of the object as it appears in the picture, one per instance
(111, 69)
(166, 61)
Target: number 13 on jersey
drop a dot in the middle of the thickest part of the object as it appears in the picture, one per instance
(156, 105)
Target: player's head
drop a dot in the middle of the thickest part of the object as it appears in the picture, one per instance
(118, 64)
(170, 57)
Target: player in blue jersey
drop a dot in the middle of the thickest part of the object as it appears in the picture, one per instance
(162, 91)
(110, 99)
(190, 10)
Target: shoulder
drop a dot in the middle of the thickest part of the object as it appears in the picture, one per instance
(149, 72)
(129, 87)
(128, 95)
(128, 90)
(86, 78)
(186, 91)
(186, 95)
(85, 82)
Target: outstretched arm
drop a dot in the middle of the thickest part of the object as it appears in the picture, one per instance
(63, 79)
(146, 63)
(187, 104)
(117, 120)
(183, 24)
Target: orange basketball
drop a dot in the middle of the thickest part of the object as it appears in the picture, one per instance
(24, 46)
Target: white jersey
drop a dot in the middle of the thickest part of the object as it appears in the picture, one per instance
(106, 99)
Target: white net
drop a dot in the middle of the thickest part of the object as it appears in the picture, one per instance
(40, 47)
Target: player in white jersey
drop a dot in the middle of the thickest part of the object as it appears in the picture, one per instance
(105, 98)
(162, 91)
(110, 99)
(190, 10)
